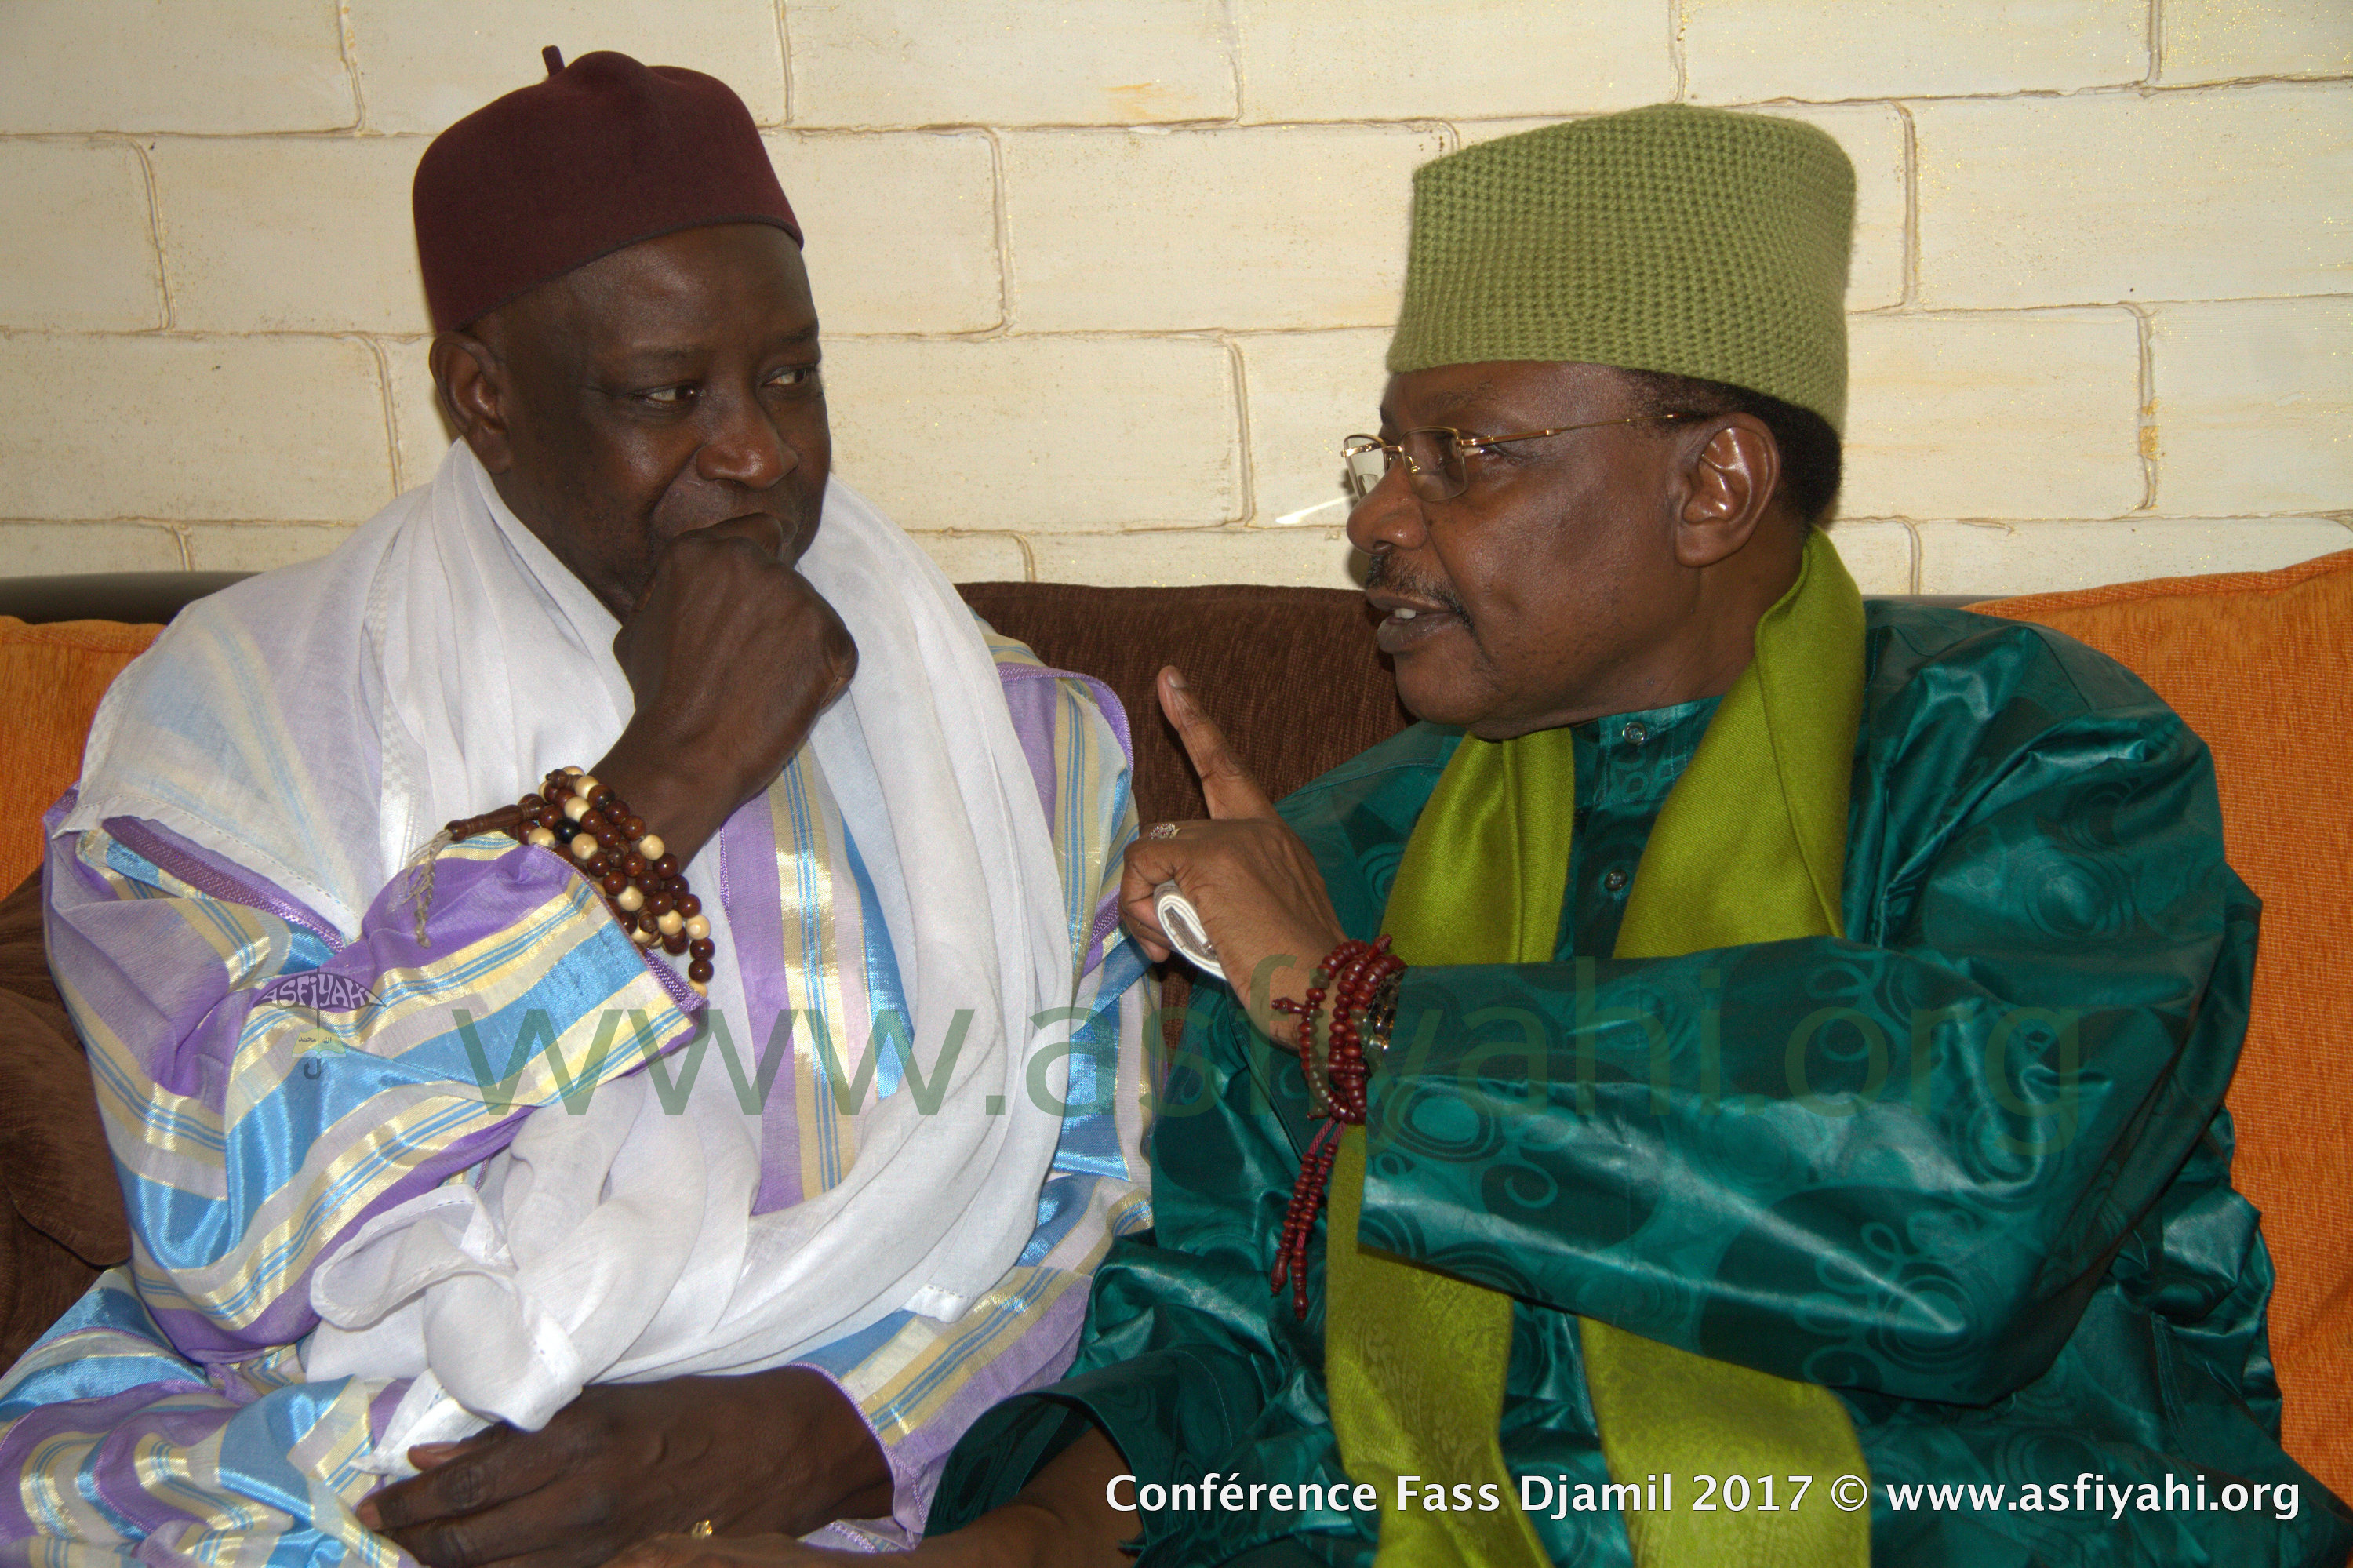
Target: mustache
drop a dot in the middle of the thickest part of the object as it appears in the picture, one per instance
(1383, 572)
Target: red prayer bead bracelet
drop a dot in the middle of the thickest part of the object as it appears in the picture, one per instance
(1362, 980)
(638, 877)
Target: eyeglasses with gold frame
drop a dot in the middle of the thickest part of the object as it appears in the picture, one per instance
(1438, 459)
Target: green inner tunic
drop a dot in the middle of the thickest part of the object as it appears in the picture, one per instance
(1625, 766)
(1967, 1165)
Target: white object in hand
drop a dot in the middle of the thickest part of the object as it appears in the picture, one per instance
(1181, 923)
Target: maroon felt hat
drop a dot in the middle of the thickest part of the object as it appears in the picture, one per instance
(603, 154)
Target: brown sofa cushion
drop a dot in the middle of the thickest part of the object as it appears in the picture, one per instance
(1334, 700)
(63, 1220)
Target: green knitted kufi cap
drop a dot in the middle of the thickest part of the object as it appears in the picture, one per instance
(1693, 241)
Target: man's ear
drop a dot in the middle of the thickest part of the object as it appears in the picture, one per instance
(472, 382)
(1729, 479)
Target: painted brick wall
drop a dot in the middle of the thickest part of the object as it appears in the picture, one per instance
(1105, 282)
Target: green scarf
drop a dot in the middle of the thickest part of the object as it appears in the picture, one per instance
(1415, 1360)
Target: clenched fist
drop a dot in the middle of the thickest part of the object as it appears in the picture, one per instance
(732, 656)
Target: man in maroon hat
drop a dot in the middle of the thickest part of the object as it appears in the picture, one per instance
(443, 1173)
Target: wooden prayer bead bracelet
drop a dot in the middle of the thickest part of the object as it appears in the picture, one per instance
(640, 879)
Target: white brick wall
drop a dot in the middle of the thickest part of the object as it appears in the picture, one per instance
(190, 427)
(1009, 62)
(872, 270)
(1046, 434)
(1748, 51)
(420, 64)
(225, 67)
(1374, 60)
(306, 234)
(1105, 281)
(1190, 230)
(2186, 194)
(2012, 414)
(77, 250)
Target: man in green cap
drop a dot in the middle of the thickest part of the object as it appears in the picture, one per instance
(1794, 1129)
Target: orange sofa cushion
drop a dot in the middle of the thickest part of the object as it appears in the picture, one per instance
(2260, 666)
(50, 680)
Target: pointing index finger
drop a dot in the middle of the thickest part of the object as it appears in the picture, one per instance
(1230, 788)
